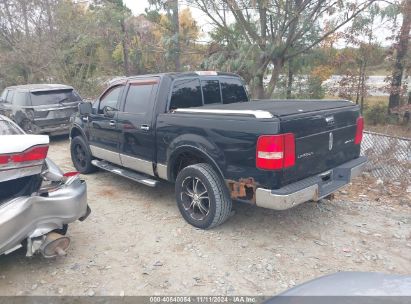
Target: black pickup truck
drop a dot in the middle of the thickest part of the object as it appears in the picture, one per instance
(200, 131)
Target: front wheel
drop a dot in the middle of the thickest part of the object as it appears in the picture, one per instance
(81, 155)
(202, 196)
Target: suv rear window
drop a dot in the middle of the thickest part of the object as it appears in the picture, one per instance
(186, 93)
(233, 90)
(53, 97)
(8, 128)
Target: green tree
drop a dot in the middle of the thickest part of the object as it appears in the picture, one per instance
(172, 11)
(400, 49)
(274, 32)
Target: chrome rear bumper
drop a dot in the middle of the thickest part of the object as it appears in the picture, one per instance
(312, 188)
(34, 216)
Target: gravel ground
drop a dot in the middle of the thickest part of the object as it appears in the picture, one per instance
(136, 243)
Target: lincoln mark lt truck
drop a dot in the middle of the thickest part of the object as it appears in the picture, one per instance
(201, 132)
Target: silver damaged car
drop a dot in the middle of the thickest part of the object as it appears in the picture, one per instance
(37, 200)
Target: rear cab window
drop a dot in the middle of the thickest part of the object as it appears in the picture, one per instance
(211, 91)
(232, 90)
(195, 92)
(40, 98)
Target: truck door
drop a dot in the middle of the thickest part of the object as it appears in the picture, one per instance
(136, 125)
(104, 134)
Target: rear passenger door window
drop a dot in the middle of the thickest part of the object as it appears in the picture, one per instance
(186, 94)
(138, 98)
(211, 91)
(233, 91)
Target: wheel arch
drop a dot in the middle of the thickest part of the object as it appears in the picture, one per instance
(77, 131)
(186, 155)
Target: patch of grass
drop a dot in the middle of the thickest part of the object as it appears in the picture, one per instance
(377, 120)
(368, 101)
(390, 129)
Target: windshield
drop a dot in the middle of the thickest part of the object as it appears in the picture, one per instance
(8, 128)
(53, 97)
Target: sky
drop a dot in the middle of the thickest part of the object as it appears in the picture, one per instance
(136, 6)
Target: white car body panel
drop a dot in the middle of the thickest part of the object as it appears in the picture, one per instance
(19, 143)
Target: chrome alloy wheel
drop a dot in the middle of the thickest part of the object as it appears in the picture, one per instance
(195, 198)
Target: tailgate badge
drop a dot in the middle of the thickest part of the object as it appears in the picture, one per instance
(330, 141)
(330, 120)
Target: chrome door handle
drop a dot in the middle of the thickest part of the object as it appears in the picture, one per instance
(145, 127)
(112, 123)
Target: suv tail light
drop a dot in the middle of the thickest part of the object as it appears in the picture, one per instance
(359, 131)
(275, 152)
(36, 153)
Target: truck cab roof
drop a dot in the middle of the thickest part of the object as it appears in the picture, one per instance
(177, 75)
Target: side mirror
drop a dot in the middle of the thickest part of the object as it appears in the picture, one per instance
(84, 108)
(109, 111)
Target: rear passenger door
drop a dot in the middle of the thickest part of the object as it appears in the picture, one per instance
(136, 125)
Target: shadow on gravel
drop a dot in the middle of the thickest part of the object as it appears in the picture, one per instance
(59, 138)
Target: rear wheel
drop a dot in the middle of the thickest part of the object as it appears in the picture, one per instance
(81, 155)
(202, 196)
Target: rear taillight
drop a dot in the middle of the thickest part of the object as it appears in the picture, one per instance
(275, 152)
(70, 174)
(30, 155)
(359, 130)
(4, 159)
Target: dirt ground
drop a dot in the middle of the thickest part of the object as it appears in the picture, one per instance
(136, 243)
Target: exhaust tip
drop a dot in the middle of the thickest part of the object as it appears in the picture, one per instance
(55, 245)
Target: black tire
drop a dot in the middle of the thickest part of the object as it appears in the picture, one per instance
(81, 155)
(207, 204)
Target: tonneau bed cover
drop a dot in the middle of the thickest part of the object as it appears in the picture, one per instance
(281, 108)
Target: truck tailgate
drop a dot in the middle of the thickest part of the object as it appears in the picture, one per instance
(324, 140)
(324, 132)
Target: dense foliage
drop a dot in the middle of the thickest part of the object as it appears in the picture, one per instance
(282, 48)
